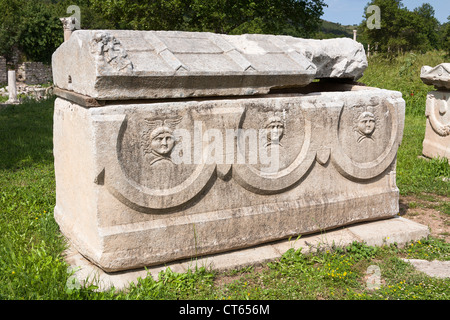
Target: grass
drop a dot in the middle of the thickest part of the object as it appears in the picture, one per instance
(32, 267)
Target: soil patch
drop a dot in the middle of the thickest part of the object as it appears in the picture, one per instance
(429, 210)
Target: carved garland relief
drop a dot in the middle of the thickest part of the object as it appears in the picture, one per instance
(368, 136)
(284, 148)
(143, 168)
(438, 112)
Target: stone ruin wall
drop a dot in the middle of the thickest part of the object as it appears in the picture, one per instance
(30, 73)
(34, 73)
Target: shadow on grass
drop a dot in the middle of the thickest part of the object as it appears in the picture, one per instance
(26, 134)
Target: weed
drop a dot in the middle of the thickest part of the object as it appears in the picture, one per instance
(428, 249)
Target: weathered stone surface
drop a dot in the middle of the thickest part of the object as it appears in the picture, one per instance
(141, 184)
(334, 58)
(438, 76)
(70, 24)
(435, 268)
(253, 152)
(115, 64)
(437, 135)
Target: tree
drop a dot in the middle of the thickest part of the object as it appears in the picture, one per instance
(445, 37)
(9, 32)
(143, 14)
(40, 31)
(428, 24)
(296, 17)
(299, 18)
(32, 27)
(401, 29)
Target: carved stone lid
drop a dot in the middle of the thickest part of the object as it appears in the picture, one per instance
(123, 64)
(438, 76)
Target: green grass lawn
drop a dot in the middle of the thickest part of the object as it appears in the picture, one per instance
(32, 266)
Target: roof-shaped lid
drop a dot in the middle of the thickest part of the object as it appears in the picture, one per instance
(438, 76)
(123, 64)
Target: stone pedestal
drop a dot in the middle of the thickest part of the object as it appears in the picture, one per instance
(227, 146)
(437, 135)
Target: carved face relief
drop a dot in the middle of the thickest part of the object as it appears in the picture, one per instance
(162, 141)
(275, 130)
(366, 125)
(365, 129)
(158, 140)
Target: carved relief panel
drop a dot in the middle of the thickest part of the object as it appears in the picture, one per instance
(367, 137)
(144, 166)
(284, 146)
(438, 112)
(167, 155)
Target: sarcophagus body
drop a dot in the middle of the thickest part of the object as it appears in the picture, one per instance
(172, 145)
(436, 142)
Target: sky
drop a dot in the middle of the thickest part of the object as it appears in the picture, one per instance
(349, 12)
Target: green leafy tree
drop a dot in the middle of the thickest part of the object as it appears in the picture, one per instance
(390, 11)
(296, 17)
(445, 37)
(91, 17)
(428, 24)
(32, 27)
(40, 32)
(9, 31)
(300, 18)
(401, 29)
(142, 14)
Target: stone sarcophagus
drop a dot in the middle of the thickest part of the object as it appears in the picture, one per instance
(437, 132)
(172, 145)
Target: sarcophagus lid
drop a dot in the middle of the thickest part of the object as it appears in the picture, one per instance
(123, 64)
(438, 76)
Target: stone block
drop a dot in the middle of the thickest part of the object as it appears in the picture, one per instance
(438, 76)
(385, 232)
(437, 133)
(340, 58)
(120, 64)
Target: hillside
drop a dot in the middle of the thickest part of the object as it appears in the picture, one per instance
(334, 30)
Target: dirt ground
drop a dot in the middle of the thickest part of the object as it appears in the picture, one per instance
(425, 210)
